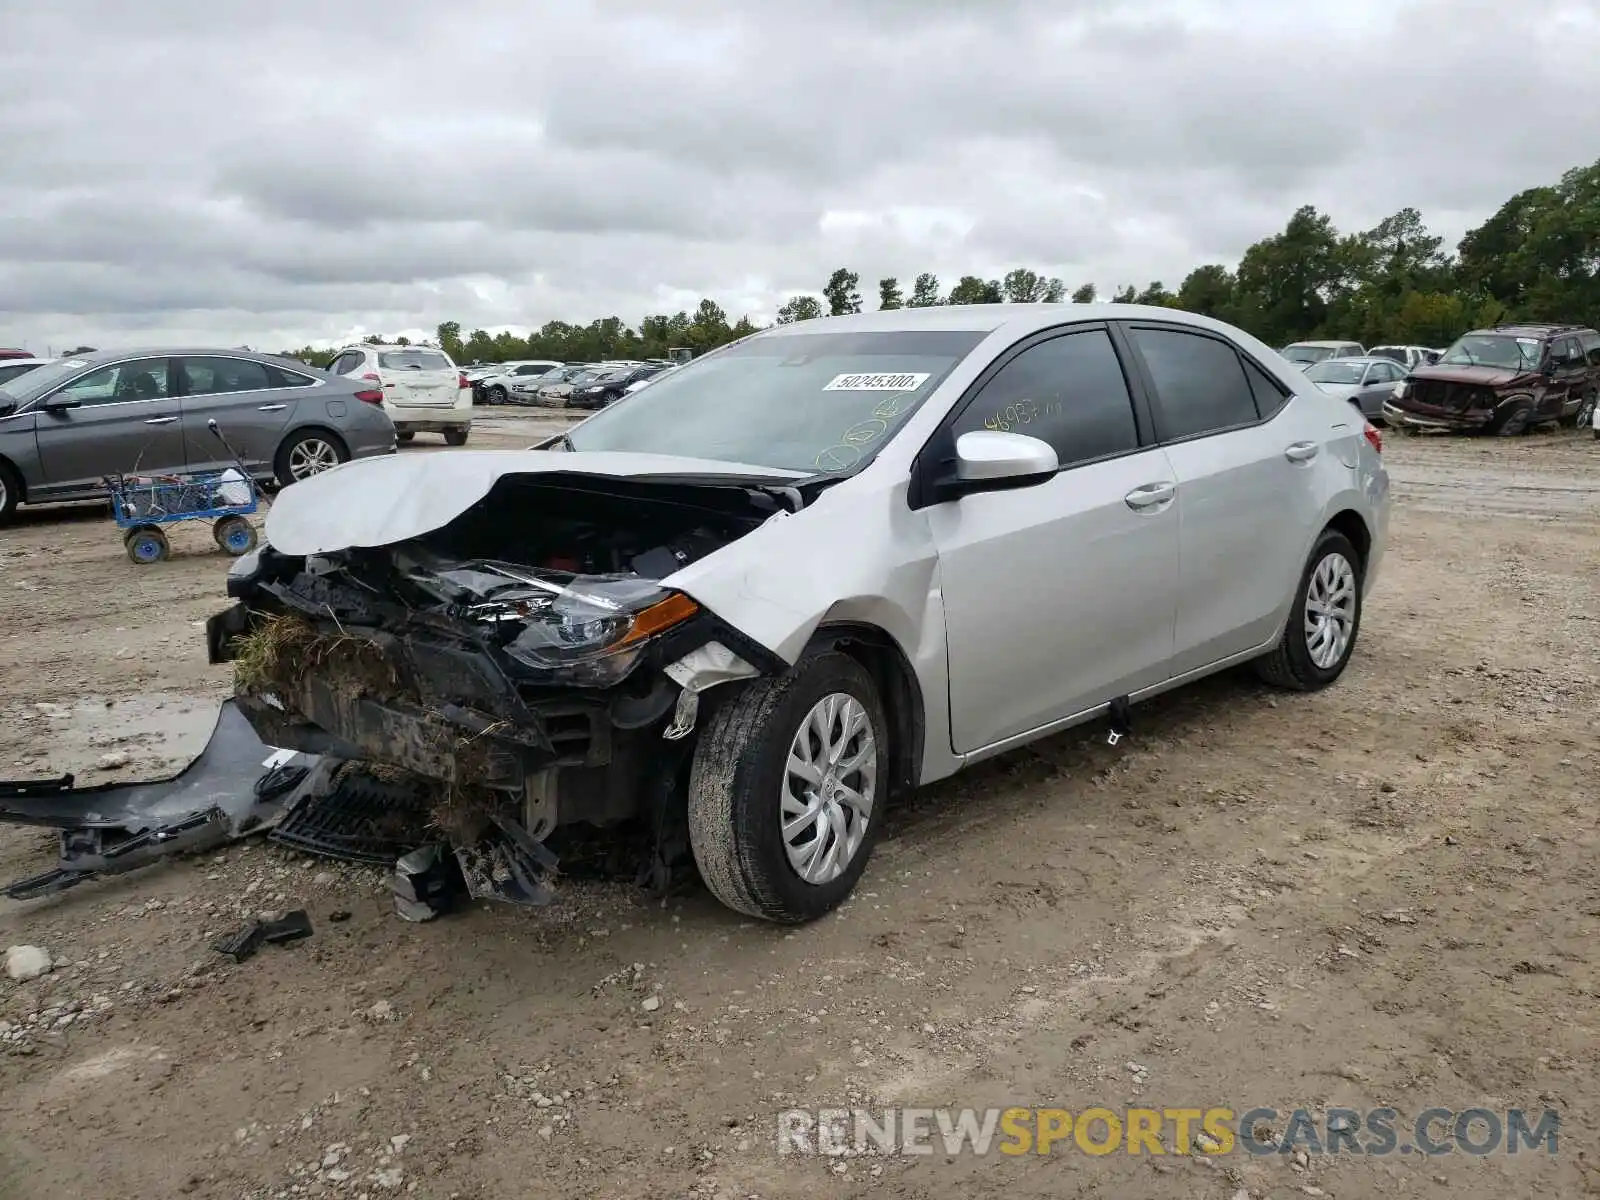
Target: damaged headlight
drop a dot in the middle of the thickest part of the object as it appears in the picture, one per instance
(591, 630)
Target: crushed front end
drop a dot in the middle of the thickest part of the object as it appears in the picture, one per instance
(523, 665)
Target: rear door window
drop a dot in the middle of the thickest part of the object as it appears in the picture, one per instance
(213, 376)
(1199, 382)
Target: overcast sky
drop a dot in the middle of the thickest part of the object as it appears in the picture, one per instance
(287, 171)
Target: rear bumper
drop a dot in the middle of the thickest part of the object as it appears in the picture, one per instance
(431, 418)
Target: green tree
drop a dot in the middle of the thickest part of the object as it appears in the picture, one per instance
(1022, 286)
(1208, 290)
(842, 292)
(1157, 294)
(800, 308)
(1125, 295)
(1285, 282)
(925, 292)
(1084, 295)
(969, 289)
(709, 329)
(889, 295)
(449, 334)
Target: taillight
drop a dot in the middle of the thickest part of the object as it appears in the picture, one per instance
(374, 378)
(1374, 438)
(370, 396)
(462, 381)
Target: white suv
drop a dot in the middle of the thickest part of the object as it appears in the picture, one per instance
(496, 387)
(423, 391)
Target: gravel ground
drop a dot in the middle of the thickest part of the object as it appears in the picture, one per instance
(1380, 894)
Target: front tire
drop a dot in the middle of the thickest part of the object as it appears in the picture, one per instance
(786, 790)
(1320, 635)
(10, 492)
(455, 437)
(1514, 422)
(1585, 414)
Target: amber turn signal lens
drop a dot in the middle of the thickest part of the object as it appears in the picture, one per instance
(672, 611)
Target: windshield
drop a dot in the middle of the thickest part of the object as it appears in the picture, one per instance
(1397, 353)
(1493, 350)
(1336, 370)
(799, 402)
(1307, 354)
(40, 380)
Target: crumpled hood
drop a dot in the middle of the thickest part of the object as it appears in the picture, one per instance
(1486, 376)
(380, 501)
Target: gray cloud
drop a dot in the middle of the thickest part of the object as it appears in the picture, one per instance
(310, 168)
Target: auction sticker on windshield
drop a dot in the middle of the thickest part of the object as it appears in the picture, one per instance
(902, 382)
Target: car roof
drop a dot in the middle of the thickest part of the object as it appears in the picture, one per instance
(1358, 358)
(1533, 329)
(32, 362)
(1018, 319)
(1336, 342)
(113, 356)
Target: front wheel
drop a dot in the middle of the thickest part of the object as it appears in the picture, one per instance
(1323, 623)
(786, 790)
(1585, 414)
(307, 454)
(1514, 422)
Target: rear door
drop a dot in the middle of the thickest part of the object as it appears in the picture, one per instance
(1571, 366)
(244, 398)
(416, 377)
(127, 421)
(1243, 453)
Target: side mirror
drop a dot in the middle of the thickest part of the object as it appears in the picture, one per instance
(988, 460)
(60, 402)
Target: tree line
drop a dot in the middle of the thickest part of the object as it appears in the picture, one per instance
(1537, 258)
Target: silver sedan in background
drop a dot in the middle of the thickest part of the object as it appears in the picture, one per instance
(1365, 382)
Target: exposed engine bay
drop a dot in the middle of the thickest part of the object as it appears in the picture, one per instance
(524, 663)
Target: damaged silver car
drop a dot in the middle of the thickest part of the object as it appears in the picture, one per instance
(745, 607)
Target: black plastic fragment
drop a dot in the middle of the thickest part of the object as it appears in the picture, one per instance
(291, 927)
(241, 944)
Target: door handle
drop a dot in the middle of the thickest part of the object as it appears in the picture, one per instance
(388, 385)
(272, 408)
(1300, 451)
(1150, 495)
(161, 420)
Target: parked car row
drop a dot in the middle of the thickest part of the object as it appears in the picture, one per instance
(1305, 354)
(544, 381)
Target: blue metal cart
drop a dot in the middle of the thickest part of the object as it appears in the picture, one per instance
(142, 504)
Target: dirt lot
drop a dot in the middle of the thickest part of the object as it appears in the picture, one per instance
(1381, 894)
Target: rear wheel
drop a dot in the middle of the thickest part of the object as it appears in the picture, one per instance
(496, 394)
(10, 492)
(455, 437)
(1323, 623)
(307, 454)
(1585, 414)
(786, 789)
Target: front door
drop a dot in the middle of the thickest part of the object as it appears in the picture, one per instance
(126, 421)
(1061, 596)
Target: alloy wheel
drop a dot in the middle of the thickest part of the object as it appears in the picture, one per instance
(312, 457)
(1330, 620)
(829, 786)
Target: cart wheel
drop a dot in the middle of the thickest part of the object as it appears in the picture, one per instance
(146, 544)
(235, 535)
